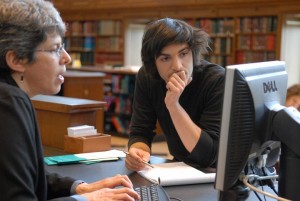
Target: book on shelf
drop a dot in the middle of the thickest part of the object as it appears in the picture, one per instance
(216, 26)
(109, 44)
(109, 27)
(89, 28)
(116, 121)
(257, 56)
(76, 28)
(89, 43)
(264, 24)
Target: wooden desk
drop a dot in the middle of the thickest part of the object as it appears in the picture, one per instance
(94, 172)
(56, 113)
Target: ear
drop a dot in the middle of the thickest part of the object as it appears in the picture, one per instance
(17, 65)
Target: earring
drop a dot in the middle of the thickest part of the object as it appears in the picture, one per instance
(22, 77)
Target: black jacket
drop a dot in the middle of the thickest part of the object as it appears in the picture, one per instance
(22, 173)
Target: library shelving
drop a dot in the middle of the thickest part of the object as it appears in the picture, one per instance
(95, 42)
(118, 90)
(256, 39)
(118, 94)
(221, 31)
(238, 40)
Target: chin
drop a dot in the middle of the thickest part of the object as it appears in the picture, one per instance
(54, 91)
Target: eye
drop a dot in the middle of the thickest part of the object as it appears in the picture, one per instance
(184, 52)
(164, 58)
(60, 48)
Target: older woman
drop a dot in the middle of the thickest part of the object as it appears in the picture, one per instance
(32, 61)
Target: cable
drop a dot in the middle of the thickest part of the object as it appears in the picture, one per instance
(245, 181)
(270, 182)
(257, 196)
(174, 198)
(252, 169)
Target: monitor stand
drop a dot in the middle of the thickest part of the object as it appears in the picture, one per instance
(239, 192)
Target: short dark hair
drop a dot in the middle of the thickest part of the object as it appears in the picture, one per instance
(166, 31)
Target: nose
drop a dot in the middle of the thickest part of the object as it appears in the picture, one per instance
(176, 64)
(65, 57)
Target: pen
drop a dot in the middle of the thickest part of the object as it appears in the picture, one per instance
(146, 163)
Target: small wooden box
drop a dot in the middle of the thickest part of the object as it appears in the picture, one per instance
(56, 113)
(94, 143)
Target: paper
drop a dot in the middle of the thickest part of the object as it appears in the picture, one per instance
(81, 131)
(176, 173)
(87, 158)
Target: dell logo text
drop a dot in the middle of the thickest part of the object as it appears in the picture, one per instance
(270, 87)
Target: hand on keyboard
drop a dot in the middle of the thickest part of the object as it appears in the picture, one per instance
(153, 192)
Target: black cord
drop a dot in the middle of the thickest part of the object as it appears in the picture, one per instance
(262, 187)
(257, 195)
(270, 183)
(254, 172)
(173, 198)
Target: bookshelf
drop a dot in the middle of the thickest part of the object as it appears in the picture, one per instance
(118, 90)
(255, 39)
(95, 42)
(118, 93)
(238, 40)
(234, 39)
(221, 31)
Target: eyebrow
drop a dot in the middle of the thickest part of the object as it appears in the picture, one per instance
(181, 50)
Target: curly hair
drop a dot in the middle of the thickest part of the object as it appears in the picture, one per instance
(166, 31)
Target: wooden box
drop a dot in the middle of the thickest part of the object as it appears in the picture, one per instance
(56, 113)
(93, 143)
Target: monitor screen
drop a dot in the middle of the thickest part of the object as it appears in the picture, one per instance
(253, 92)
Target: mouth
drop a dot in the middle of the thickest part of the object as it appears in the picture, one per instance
(61, 78)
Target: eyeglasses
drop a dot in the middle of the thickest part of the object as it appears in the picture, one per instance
(57, 51)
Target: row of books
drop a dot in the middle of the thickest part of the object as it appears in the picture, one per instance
(117, 112)
(118, 93)
(122, 84)
(119, 105)
(256, 42)
(80, 43)
(216, 27)
(222, 45)
(110, 44)
(227, 26)
(256, 24)
(105, 44)
(116, 124)
(92, 28)
(250, 56)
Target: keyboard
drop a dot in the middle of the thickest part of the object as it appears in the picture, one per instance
(153, 192)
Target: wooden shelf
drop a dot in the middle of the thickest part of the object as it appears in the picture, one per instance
(95, 42)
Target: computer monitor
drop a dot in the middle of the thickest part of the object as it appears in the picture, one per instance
(253, 119)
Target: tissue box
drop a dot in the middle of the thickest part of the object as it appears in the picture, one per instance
(93, 143)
